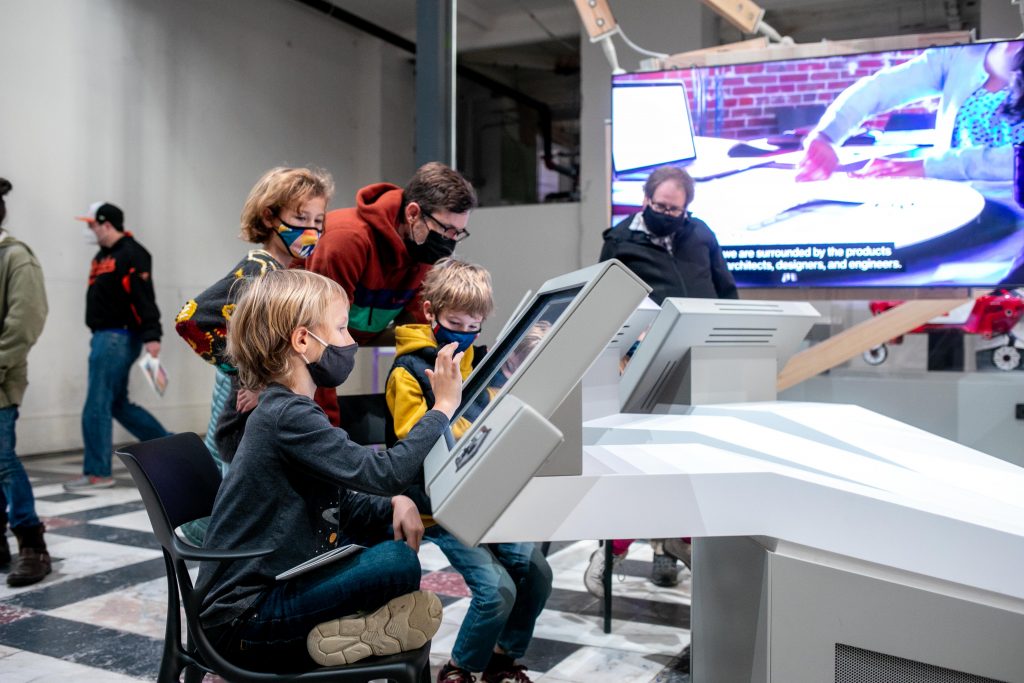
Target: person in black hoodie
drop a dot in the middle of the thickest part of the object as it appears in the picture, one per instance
(678, 256)
(673, 252)
(121, 311)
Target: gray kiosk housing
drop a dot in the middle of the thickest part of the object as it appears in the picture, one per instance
(530, 377)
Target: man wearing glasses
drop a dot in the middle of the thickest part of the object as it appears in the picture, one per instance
(673, 252)
(380, 250)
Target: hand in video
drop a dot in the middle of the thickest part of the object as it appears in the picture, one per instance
(819, 161)
(889, 168)
(446, 379)
(407, 522)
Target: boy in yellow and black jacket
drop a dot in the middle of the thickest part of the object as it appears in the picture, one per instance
(509, 582)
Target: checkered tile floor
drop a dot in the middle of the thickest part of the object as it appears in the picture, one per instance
(100, 615)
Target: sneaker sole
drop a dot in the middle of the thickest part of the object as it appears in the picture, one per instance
(90, 487)
(405, 623)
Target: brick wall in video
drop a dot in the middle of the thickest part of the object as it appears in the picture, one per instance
(748, 101)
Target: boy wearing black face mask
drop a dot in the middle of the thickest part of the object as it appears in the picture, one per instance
(380, 250)
(509, 582)
(673, 252)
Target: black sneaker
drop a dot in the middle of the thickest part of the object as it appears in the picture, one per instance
(450, 673)
(679, 549)
(663, 571)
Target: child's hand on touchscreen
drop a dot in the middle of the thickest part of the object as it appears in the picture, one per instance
(446, 379)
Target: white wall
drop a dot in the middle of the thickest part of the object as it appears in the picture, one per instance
(999, 19)
(172, 110)
(522, 246)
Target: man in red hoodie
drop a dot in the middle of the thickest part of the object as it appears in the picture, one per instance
(380, 250)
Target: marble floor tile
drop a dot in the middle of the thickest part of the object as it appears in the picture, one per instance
(629, 636)
(139, 609)
(605, 665)
(26, 667)
(448, 583)
(90, 499)
(136, 521)
(108, 649)
(431, 557)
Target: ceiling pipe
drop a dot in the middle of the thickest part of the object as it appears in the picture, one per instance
(495, 86)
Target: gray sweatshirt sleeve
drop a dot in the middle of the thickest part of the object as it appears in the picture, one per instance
(362, 514)
(309, 440)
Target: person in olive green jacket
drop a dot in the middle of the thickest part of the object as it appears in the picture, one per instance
(22, 314)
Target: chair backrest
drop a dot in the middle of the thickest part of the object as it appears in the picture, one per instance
(364, 417)
(176, 476)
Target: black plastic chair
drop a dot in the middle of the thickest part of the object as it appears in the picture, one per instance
(364, 417)
(178, 481)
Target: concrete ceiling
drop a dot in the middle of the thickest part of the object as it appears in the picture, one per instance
(481, 23)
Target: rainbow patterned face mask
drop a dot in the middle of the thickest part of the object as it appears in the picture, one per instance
(299, 240)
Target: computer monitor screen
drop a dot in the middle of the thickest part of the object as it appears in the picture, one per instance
(882, 169)
(652, 125)
(512, 349)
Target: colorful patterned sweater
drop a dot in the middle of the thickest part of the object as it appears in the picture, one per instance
(202, 322)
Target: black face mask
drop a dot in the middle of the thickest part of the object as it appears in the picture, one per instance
(662, 225)
(433, 250)
(334, 366)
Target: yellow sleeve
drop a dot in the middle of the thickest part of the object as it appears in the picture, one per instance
(460, 427)
(405, 401)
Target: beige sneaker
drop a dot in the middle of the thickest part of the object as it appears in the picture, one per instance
(404, 623)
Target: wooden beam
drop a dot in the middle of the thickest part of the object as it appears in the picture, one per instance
(742, 14)
(597, 18)
(754, 51)
(681, 60)
(861, 337)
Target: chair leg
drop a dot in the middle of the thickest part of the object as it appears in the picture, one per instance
(607, 578)
(194, 674)
(171, 662)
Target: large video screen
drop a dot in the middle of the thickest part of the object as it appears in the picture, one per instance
(883, 169)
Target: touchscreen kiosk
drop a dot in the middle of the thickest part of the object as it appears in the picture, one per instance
(512, 394)
(701, 351)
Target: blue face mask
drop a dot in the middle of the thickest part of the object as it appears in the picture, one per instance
(444, 336)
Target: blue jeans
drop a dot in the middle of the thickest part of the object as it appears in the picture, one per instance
(111, 354)
(510, 584)
(14, 484)
(272, 636)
